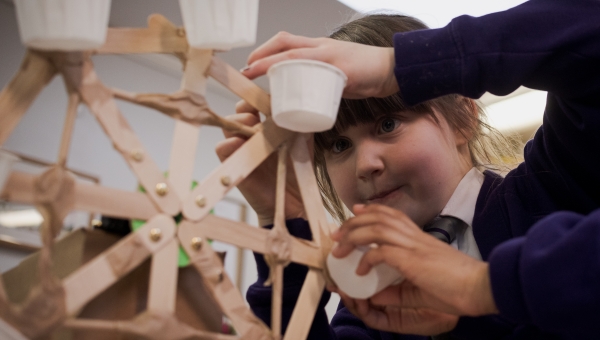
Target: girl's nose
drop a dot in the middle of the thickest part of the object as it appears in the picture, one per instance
(369, 162)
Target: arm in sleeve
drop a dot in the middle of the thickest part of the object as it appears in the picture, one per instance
(550, 278)
(550, 45)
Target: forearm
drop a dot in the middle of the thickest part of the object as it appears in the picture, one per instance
(550, 277)
(544, 44)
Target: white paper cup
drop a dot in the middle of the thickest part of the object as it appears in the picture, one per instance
(343, 273)
(305, 94)
(220, 24)
(7, 159)
(67, 25)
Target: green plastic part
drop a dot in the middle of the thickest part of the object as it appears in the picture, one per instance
(183, 259)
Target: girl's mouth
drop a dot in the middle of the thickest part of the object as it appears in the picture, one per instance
(382, 196)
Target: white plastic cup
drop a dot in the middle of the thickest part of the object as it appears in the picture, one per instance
(305, 94)
(343, 273)
(220, 24)
(66, 25)
(7, 160)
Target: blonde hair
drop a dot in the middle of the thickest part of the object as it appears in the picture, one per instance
(489, 149)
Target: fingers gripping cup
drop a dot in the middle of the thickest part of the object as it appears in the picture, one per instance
(343, 273)
(305, 94)
(67, 25)
(220, 24)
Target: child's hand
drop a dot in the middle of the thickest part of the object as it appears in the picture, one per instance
(437, 276)
(259, 187)
(370, 69)
(392, 318)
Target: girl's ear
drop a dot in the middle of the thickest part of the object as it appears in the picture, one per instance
(470, 122)
(474, 108)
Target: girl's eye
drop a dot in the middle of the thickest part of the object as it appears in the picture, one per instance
(340, 145)
(388, 125)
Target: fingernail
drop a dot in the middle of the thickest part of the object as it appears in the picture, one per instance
(358, 206)
(245, 68)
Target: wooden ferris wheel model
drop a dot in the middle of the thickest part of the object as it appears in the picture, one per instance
(55, 303)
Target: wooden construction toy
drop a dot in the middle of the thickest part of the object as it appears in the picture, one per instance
(60, 303)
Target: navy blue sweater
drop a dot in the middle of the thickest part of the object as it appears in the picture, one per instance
(539, 227)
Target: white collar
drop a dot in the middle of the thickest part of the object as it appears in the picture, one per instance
(462, 205)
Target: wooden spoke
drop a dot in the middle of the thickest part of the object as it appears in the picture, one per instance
(196, 69)
(309, 190)
(183, 154)
(143, 325)
(307, 304)
(163, 279)
(161, 36)
(246, 236)
(233, 170)
(100, 101)
(185, 136)
(240, 85)
(282, 156)
(276, 265)
(35, 73)
(88, 197)
(277, 300)
(104, 270)
(68, 128)
(206, 261)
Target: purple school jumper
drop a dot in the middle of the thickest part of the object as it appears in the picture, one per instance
(539, 227)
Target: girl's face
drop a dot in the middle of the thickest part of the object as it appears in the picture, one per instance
(407, 161)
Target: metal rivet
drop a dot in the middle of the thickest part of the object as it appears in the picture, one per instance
(226, 181)
(197, 243)
(137, 155)
(200, 201)
(96, 223)
(155, 234)
(162, 189)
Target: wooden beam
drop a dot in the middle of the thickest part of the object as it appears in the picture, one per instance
(240, 85)
(161, 36)
(246, 236)
(35, 73)
(218, 283)
(308, 301)
(101, 103)
(233, 170)
(163, 279)
(88, 197)
(104, 270)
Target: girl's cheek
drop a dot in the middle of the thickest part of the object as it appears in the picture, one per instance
(343, 182)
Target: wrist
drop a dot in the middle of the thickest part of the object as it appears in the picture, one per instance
(486, 304)
(390, 86)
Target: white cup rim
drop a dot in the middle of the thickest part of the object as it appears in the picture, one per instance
(307, 62)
